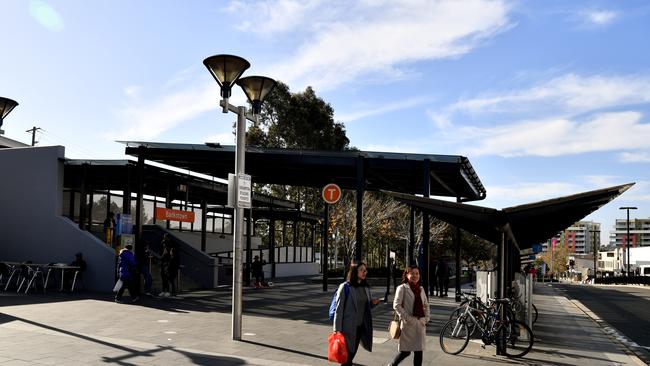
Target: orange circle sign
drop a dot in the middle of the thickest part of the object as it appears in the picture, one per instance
(331, 193)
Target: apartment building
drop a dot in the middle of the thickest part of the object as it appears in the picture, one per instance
(579, 237)
(639, 233)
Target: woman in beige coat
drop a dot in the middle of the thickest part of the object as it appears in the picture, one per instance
(413, 309)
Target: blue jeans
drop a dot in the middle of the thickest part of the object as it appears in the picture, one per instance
(148, 280)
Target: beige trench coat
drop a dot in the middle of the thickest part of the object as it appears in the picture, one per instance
(413, 335)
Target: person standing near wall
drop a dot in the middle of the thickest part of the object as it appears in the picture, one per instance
(109, 229)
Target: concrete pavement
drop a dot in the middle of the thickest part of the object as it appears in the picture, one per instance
(283, 325)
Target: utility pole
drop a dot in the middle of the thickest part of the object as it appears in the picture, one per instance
(33, 131)
(627, 238)
(593, 239)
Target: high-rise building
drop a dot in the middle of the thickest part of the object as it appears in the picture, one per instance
(639, 233)
(579, 237)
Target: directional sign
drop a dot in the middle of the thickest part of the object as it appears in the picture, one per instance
(244, 196)
(331, 193)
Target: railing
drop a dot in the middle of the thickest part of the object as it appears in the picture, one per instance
(624, 280)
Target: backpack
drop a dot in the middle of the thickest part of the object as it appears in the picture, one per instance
(346, 288)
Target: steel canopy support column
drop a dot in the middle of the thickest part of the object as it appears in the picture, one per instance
(272, 244)
(83, 203)
(408, 258)
(139, 252)
(501, 275)
(249, 253)
(126, 198)
(426, 222)
(457, 249)
(361, 183)
(204, 222)
(323, 255)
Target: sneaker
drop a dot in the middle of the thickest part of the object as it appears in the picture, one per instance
(119, 301)
(164, 294)
(148, 293)
(135, 299)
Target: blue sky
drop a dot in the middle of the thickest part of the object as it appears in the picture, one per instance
(546, 98)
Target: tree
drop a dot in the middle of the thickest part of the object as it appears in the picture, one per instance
(297, 121)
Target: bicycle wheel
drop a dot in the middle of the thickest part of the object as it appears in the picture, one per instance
(519, 339)
(454, 337)
(535, 314)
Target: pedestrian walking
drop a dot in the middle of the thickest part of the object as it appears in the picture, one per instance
(169, 265)
(127, 274)
(353, 316)
(412, 307)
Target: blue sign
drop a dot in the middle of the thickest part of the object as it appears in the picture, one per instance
(537, 248)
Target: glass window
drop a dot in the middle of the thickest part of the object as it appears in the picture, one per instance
(198, 217)
(99, 207)
(147, 217)
(116, 203)
(65, 205)
(227, 224)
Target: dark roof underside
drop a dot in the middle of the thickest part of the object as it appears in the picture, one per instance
(530, 224)
(117, 174)
(451, 176)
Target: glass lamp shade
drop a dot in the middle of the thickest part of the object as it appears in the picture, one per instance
(226, 69)
(256, 89)
(6, 106)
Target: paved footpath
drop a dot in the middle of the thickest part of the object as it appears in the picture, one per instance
(283, 325)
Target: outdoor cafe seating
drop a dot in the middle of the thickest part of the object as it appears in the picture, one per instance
(26, 276)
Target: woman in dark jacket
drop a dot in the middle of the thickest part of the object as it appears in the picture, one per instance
(353, 317)
(126, 267)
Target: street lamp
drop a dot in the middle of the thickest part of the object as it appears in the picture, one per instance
(226, 70)
(6, 106)
(593, 239)
(627, 238)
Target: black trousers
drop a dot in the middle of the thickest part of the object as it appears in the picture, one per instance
(356, 346)
(127, 284)
(417, 358)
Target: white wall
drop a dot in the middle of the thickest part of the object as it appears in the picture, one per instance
(31, 224)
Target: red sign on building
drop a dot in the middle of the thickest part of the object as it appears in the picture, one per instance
(174, 215)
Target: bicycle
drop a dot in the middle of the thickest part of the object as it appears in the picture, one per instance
(518, 337)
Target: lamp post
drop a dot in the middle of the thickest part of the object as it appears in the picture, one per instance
(227, 70)
(627, 238)
(593, 239)
(6, 106)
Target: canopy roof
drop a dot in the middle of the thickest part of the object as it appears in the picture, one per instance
(118, 174)
(449, 175)
(527, 224)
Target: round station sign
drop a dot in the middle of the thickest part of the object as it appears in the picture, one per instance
(331, 193)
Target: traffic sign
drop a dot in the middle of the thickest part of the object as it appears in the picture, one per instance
(331, 193)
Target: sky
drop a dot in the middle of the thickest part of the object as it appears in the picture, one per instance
(545, 98)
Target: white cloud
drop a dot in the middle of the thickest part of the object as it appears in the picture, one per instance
(147, 121)
(132, 91)
(555, 137)
(600, 17)
(527, 192)
(635, 157)
(46, 15)
(344, 41)
(383, 109)
(568, 93)
(269, 17)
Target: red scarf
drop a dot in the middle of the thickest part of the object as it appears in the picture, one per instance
(418, 307)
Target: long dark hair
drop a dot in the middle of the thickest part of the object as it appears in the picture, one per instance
(409, 269)
(353, 275)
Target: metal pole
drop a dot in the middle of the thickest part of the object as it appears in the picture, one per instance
(238, 238)
(627, 241)
(593, 240)
(324, 257)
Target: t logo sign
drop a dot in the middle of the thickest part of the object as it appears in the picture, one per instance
(331, 193)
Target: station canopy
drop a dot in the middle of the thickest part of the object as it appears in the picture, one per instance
(527, 224)
(449, 175)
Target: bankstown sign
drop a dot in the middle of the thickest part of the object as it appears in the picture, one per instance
(174, 215)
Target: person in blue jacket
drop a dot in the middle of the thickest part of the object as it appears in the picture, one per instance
(126, 272)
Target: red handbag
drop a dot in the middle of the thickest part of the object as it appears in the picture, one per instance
(337, 351)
